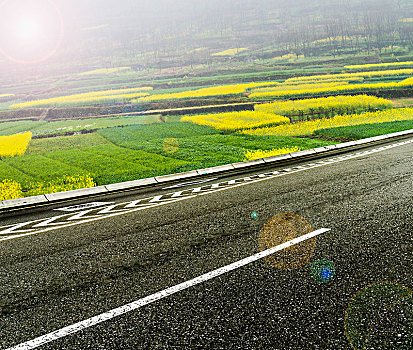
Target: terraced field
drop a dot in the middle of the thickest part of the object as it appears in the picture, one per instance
(122, 148)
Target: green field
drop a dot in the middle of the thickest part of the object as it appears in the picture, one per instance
(64, 126)
(127, 153)
(364, 131)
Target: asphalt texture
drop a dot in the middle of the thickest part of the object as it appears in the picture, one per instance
(54, 279)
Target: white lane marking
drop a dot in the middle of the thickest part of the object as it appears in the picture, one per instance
(159, 200)
(84, 206)
(90, 322)
(190, 183)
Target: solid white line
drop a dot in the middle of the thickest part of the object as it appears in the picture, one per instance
(90, 322)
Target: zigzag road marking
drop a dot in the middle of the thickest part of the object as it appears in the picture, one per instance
(84, 216)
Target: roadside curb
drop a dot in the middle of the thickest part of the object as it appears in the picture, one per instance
(164, 179)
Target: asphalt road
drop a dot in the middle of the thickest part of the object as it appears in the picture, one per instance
(53, 279)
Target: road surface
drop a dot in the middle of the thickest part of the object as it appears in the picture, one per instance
(60, 267)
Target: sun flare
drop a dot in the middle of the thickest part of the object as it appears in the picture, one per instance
(28, 28)
(31, 31)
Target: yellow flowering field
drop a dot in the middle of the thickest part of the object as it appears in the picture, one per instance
(381, 73)
(286, 87)
(10, 189)
(349, 88)
(378, 65)
(66, 183)
(308, 127)
(105, 71)
(6, 95)
(288, 56)
(230, 52)
(407, 81)
(14, 145)
(258, 154)
(221, 90)
(236, 120)
(88, 97)
(327, 106)
(344, 80)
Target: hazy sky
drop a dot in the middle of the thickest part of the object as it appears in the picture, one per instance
(103, 27)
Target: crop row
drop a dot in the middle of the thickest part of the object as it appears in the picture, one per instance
(309, 127)
(205, 92)
(63, 126)
(326, 107)
(358, 132)
(335, 90)
(383, 73)
(378, 65)
(236, 120)
(328, 79)
(6, 95)
(118, 95)
(294, 87)
(229, 52)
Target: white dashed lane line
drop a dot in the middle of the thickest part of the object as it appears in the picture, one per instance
(90, 322)
(24, 229)
(84, 206)
(190, 183)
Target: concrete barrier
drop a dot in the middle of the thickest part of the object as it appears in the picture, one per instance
(21, 202)
(131, 184)
(75, 193)
(248, 163)
(319, 149)
(302, 153)
(178, 176)
(278, 158)
(215, 169)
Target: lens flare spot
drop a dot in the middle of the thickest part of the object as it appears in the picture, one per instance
(280, 229)
(323, 270)
(379, 317)
(171, 145)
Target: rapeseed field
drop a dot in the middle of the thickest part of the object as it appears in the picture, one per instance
(10, 189)
(309, 127)
(14, 145)
(236, 120)
(87, 98)
(229, 52)
(258, 154)
(328, 106)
